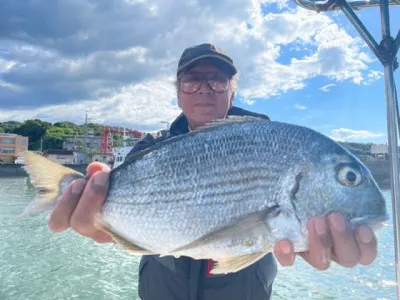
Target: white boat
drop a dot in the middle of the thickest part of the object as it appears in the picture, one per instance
(119, 155)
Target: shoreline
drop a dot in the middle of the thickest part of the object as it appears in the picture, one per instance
(17, 170)
(380, 170)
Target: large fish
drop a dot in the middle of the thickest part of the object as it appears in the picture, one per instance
(227, 191)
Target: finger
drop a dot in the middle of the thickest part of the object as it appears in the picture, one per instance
(284, 253)
(320, 243)
(60, 217)
(96, 166)
(345, 246)
(90, 204)
(367, 244)
(102, 237)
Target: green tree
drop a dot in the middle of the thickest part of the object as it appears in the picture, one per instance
(52, 142)
(118, 140)
(9, 126)
(76, 129)
(92, 128)
(34, 129)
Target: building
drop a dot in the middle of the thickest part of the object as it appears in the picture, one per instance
(80, 158)
(106, 158)
(80, 142)
(381, 151)
(60, 156)
(12, 146)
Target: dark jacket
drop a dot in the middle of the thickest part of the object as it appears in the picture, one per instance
(169, 278)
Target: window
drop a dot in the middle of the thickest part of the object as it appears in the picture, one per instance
(22, 142)
(7, 150)
(6, 141)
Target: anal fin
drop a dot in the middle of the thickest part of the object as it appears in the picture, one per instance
(246, 228)
(126, 244)
(236, 263)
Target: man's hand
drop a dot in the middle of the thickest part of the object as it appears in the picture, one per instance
(331, 239)
(81, 202)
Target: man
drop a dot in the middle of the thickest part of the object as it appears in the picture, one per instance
(206, 82)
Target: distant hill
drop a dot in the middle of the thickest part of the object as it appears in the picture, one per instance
(52, 135)
(361, 150)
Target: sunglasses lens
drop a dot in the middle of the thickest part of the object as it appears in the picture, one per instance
(191, 82)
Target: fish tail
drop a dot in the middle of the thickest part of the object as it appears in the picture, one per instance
(50, 181)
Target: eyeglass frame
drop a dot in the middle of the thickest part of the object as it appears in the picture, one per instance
(202, 80)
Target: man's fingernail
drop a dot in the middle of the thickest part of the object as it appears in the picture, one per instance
(286, 249)
(365, 234)
(320, 226)
(77, 187)
(101, 179)
(338, 222)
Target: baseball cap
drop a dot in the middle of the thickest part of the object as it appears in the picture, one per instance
(217, 56)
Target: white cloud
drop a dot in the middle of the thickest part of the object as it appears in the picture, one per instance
(118, 69)
(130, 105)
(248, 101)
(345, 134)
(299, 107)
(326, 88)
(372, 76)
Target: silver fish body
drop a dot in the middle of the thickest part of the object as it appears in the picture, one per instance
(236, 189)
(226, 192)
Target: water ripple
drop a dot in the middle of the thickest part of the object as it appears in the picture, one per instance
(40, 265)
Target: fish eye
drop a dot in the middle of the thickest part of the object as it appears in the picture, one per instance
(349, 176)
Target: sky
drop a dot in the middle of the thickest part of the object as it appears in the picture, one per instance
(116, 61)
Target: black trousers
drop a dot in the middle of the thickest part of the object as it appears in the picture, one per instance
(168, 278)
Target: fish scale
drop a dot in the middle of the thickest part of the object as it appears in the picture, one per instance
(230, 190)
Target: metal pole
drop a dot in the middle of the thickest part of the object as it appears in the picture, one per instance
(397, 40)
(394, 165)
(331, 5)
(361, 29)
(392, 127)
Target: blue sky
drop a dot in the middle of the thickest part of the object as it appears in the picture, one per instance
(116, 59)
(359, 107)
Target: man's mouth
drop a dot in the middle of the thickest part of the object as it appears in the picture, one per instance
(205, 104)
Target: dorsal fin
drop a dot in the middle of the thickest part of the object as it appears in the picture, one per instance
(229, 120)
(216, 123)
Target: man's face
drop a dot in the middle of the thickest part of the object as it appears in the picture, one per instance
(204, 105)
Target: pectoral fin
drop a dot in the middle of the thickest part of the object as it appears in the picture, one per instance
(126, 244)
(235, 264)
(245, 228)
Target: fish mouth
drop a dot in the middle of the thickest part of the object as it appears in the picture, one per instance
(373, 221)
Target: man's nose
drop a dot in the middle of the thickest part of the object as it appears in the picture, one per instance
(204, 88)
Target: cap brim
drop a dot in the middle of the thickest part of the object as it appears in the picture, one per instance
(218, 61)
